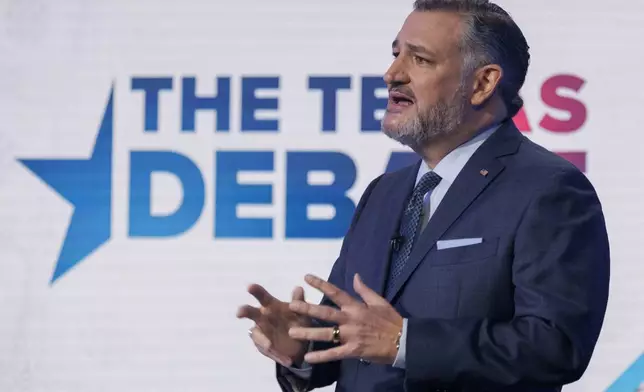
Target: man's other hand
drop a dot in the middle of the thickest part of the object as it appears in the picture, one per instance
(273, 319)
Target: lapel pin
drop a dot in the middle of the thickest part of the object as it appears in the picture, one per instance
(484, 172)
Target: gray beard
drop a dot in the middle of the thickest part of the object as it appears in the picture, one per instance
(432, 123)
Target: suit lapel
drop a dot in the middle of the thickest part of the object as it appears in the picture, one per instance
(397, 190)
(477, 174)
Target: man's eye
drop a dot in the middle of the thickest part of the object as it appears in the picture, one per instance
(421, 60)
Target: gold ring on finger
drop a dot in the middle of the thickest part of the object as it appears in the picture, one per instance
(336, 335)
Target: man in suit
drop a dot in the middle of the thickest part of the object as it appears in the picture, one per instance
(483, 267)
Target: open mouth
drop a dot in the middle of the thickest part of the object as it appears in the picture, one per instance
(400, 100)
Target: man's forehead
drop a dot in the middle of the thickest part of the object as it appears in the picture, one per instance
(436, 30)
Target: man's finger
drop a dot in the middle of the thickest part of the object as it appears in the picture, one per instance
(336, 295)
(321, 312)
(330, 355)
(260, 339)
(369, 296)
(263, 296)
(282, 360)
(264, 346)
(298, 294)
(249, 312)
(314, 334)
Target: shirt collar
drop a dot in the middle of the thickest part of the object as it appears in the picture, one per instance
(450, 166)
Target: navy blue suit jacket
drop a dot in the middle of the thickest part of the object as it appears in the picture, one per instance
(521, 311)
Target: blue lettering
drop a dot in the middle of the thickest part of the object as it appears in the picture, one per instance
(329, 86)
(220, 103)
(151, 88)
(300, 194)
(371, 103)
(251, 104)
(230, 193)
(143, 164)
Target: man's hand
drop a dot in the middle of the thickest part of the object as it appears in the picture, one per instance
(272, 323)
(368, 330)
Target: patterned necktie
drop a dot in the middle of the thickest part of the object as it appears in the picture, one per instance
(409, 225)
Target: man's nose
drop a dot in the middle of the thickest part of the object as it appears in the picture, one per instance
(397, 73)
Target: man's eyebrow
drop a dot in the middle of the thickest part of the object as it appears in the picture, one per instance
(413, 48)
(420, 49)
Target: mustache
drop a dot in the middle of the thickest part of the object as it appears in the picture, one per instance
(402, 90)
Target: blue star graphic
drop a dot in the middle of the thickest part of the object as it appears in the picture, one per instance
(87, 185)
(632, 379)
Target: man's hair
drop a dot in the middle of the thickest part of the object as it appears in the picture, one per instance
(490, 36)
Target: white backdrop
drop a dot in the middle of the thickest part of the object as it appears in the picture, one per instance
(146, 312)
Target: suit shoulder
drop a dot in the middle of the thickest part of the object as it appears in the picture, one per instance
(535, 172)
(537, 163)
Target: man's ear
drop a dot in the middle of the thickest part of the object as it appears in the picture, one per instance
(486, 80)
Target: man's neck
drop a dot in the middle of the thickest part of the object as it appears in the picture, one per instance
(441, 147)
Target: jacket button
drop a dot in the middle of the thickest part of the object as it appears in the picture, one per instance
(364, 362)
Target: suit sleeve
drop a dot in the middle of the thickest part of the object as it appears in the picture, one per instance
(326, 373)
(560, 274)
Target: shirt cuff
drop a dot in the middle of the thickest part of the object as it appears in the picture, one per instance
(304, 370)
(400, 357)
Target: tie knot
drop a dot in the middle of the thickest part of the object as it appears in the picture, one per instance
(427, 182)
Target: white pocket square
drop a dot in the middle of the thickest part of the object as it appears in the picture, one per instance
(447, 244)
